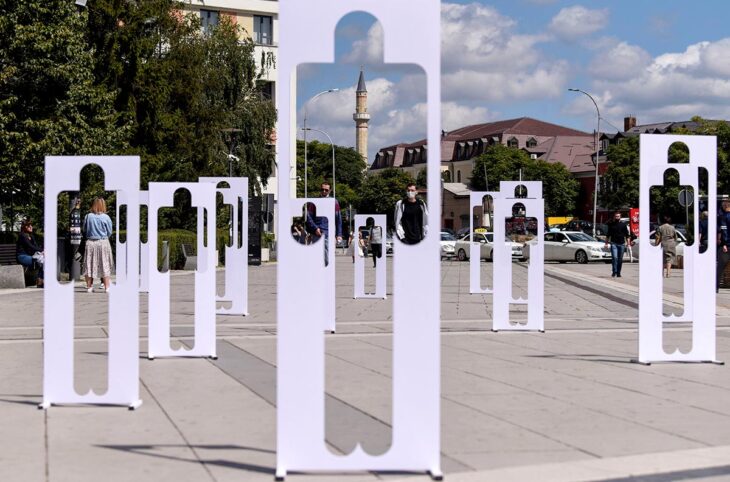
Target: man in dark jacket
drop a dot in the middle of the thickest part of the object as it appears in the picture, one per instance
(411, 217)
(723, 241)
(318, 226)
(618, 237)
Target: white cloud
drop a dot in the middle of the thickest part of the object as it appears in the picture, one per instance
(478, 36)
(622, 62)
(578, 21)
(454, 115)
(542, 82)
(368, 50)
(673, 86)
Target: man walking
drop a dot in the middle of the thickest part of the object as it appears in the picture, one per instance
(411, 217)
(723, 241)
(618, 237)
(318, 226)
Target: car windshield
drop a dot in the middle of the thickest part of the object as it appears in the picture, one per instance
(580, 237)
(447, 237)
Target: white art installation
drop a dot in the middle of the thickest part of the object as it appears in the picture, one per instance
(301, 444)
(122, 248)
(121, 174)
(502, 270)
(144, 251)
(381, 268)
(699, 268)
(202, 195)
(476, 199)
(236, 271)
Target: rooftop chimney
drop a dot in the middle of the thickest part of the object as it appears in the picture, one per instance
(629, 122)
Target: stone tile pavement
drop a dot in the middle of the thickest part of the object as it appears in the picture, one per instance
(563, 405)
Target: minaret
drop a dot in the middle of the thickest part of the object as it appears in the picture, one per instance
(361, 118)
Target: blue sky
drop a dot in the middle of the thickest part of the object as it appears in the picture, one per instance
(660, 61)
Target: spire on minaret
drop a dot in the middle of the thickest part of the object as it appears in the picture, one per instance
(361, 82)
(361, 118)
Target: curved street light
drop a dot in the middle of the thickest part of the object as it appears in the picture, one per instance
(304, 128)
(598, 130)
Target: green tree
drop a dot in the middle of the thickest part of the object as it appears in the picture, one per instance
(381, 191)
(350, 170)
(193, 95)
(502, 163)
(49, 102)
(620, 182)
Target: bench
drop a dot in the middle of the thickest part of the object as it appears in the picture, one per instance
(12, 274)
(191, 260)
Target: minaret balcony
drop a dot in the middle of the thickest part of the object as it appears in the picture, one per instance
(361, 116)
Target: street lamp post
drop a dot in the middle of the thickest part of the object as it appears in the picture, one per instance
(232, 131)
(333, 155)
(304, 128)
(598, 130)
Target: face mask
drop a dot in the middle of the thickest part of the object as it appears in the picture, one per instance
(411, 194)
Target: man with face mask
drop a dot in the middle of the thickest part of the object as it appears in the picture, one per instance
(411, 217)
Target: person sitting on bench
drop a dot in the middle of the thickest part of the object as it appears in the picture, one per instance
(28, 251)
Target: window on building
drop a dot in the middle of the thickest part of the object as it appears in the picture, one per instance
(266, 89)
(209, 20)
(531, 142)
(263, 29)
(513, 142)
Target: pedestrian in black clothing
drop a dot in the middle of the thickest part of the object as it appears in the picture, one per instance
(27, 250)
(411, 217)
(618, 236)
(723, 241)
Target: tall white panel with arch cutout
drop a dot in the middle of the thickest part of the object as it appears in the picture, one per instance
(301, 444)
(502, 299)
(475, 286)
(381, 268)
(121, 174)
(699, 268)
(144, 251)
(202, 195)
(236, 271)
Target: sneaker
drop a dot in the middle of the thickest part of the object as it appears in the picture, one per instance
(618, 275)
(90, 290)
(613, 275)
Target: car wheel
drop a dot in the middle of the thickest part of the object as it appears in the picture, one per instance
(462, 255)
(491, 256)
(581, 257)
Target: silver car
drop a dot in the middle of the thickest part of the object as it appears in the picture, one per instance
(575, 246)
(486, 246)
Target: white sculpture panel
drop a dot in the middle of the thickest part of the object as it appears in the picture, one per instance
(144, 251)
(202, 195)
(360, 261)
(475, 286)
(121, 174)
(503, 298)
(236, 271)
(301, 444)
(699, 268)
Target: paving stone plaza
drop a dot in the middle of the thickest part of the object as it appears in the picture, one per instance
(562, 405)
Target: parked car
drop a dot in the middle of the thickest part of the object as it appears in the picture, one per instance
(460, 233)
(389, 243)
(571, 246)
(681, 243)
(486, 247)
(447, 244)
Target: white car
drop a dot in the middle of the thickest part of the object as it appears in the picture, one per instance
(447, 244)
(486, 247)
(575, 246)
(681, 242)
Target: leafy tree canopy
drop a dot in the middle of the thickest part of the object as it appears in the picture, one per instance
(49, 102)
(502, 163)
(380, 192)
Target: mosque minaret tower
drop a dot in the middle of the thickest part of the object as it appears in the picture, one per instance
(361, 118)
